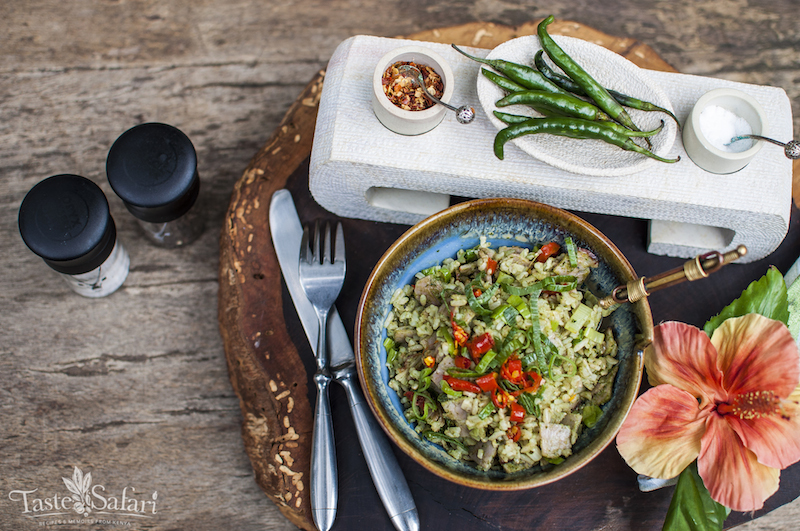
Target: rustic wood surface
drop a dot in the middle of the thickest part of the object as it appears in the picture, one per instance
(134, 388)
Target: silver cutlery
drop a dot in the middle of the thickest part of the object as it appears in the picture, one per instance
(322, 276)
(791, 148)
(383, 466)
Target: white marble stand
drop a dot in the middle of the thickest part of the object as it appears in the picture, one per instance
(362, 170)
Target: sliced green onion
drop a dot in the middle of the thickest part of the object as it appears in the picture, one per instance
(594, 336)
(504, 278)
(486, 410)
(571, 253)
(579, 318)
(514, 300)
(520, 291)
(391, 352)
(559, 283)
(434, 436)
(591, 414)
(573, 369)
(535, 331)
(526, 400)
(506, 313)
(477, 303)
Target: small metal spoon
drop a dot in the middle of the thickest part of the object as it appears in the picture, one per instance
(790, 148)
(464, 114)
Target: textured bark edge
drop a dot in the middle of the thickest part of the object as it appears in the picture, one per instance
(273, 431)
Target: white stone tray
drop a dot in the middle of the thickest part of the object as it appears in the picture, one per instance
(360, 169)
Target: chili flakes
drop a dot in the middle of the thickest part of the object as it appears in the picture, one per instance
(406, 94)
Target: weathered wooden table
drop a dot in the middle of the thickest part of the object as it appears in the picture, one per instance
(134, 388)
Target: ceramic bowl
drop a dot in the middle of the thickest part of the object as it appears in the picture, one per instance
(400, 120)
(502, 222)
(710, 154)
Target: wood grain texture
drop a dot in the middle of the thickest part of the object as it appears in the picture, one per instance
(135, 387)
(246, 252)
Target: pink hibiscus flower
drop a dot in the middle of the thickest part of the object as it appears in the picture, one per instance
(732, 402)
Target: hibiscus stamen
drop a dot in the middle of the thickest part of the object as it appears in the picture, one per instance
(752, 405)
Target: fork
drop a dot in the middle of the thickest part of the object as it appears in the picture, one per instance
(322, 281)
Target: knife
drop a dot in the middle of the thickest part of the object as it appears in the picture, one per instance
(386, 474)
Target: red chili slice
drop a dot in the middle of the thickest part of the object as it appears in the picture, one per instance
(500, 398)
(514, 433)
(548, 250)
(511, 370)
(534, 383)
(488, 383)
(517, 413)
(480, 345)
(491, 266)
(457, 384)
(462, 362)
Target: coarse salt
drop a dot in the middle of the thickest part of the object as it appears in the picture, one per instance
(719, 126)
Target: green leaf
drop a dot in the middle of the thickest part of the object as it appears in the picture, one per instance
(765, 296)
(692, 508)
(793, 323)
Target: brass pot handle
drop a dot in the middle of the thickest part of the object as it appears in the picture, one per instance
(700, 267)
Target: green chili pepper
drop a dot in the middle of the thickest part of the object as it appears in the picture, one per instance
(510, 119)
(486, 360)
(572, 128)
(433, 437)
(593, 89)
(562, 104)
(424, 380)
(428, 406)
(528, 77)
(570, 86)
(463, 373)
(502, 81)
(446, 389)
(516, 118)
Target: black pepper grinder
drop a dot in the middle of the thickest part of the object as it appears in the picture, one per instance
(65, 219)
(152, 167)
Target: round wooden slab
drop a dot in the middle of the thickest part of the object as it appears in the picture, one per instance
(268, 355)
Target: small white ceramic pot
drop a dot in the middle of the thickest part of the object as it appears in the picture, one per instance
(705, 153)
(411, 122)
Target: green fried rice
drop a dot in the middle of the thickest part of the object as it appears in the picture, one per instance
(497, 356)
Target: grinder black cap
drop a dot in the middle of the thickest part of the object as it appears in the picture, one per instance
(152, 167)
(65, 219)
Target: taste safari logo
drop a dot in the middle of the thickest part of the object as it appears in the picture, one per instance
(91, 502)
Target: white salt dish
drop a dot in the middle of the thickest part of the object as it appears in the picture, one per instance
(587, 157)
(706, 152)
(400, 120)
